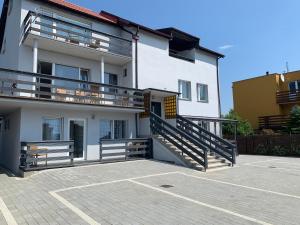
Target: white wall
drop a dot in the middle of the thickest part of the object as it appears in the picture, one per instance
(9, 58)
(31, 125)
(11, 143)
(158, 70)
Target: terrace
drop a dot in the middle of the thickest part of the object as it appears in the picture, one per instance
(39, 87)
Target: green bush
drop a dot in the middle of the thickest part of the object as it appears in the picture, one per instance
(278, 151)
(294, 123)
(261, 150)
(243, 126)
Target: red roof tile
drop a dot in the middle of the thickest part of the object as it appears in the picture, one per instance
(79, 9)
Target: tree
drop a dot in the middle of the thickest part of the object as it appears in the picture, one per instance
(294, 122)
(244, 128)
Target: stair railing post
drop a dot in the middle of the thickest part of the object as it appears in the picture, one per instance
(100, 150)
(205, 160)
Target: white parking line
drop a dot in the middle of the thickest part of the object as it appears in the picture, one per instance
(7, 214)
(202, 203)
(111, 182)
(241, 186)
(77, 211)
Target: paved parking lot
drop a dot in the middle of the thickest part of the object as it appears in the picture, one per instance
(259, 190)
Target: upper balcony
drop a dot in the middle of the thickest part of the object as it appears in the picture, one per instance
(19, 85)
(288, 97)
(67, 36)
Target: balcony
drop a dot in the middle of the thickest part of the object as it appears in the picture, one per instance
(276, 122)
(288, 97)
(47, 88)
(74, 38)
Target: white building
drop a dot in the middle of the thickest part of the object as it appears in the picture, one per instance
(69, 73)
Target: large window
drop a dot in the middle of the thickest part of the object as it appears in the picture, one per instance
(184, 88)
(106, 129)
(202, 93)
(52, 129)
(113, 129)
(71, 73)
(294, 86)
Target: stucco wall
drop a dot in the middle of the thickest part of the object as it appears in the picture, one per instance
(256, 97)
(11, 142)
(31, 125)
(158, 70)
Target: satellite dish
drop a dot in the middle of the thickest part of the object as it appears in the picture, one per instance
(282, 78)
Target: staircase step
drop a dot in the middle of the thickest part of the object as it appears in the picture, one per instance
(218, 165)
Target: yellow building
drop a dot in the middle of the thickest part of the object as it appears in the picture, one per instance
(266, 101)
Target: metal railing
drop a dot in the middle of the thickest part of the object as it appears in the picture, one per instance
(184, 142)
(275, 122)
(65, 31)
(46, 154)
(211, 141)
(34, 86)
(286, 97)
(124, 149)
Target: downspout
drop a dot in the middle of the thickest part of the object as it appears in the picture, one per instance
(136, 38)
(219, 100)
(218, 83)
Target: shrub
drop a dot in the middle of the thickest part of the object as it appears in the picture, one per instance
(243, 126)
(278, 150)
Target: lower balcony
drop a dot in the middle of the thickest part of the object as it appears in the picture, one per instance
(288, 97)
(276, 122)
(47, 88)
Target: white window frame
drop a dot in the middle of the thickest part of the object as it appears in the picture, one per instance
(113, 127)
(61, 129)
(198, 85)
(180, 90)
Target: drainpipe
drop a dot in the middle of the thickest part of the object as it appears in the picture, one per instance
(219, 100)
(135, 36)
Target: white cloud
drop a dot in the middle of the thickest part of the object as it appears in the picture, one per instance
(224, 47)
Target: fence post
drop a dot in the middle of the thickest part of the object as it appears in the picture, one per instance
(72, 153)
(100, 150)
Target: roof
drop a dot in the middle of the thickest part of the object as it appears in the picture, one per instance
(123, 21)
(210, 51)
(78, 9)
(170, 30)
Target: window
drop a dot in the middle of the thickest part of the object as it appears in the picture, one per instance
(52, 129)
(113, 129)
(294, 85)
(71, 73)
(106, 129)
(119, 129)
(205, 125)
(111, 79)
(184, 88)
(202, 93)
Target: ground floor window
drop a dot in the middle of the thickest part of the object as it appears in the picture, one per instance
(52, 129)
(113, 129)
(205, 125)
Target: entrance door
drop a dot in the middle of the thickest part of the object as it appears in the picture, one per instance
(156, 108)
(77, 135)
(44, 68)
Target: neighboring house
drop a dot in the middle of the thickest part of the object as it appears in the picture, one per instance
(69, 73)
(266, 101)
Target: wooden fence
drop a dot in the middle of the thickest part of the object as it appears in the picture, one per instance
(280, 145)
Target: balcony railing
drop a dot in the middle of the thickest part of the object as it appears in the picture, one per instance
(276, 122)
(64, 31)
(33, 86)
(286, 97)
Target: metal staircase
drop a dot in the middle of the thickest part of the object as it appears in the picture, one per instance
(198, 149)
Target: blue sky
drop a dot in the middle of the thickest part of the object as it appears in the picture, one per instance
(255, 35)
